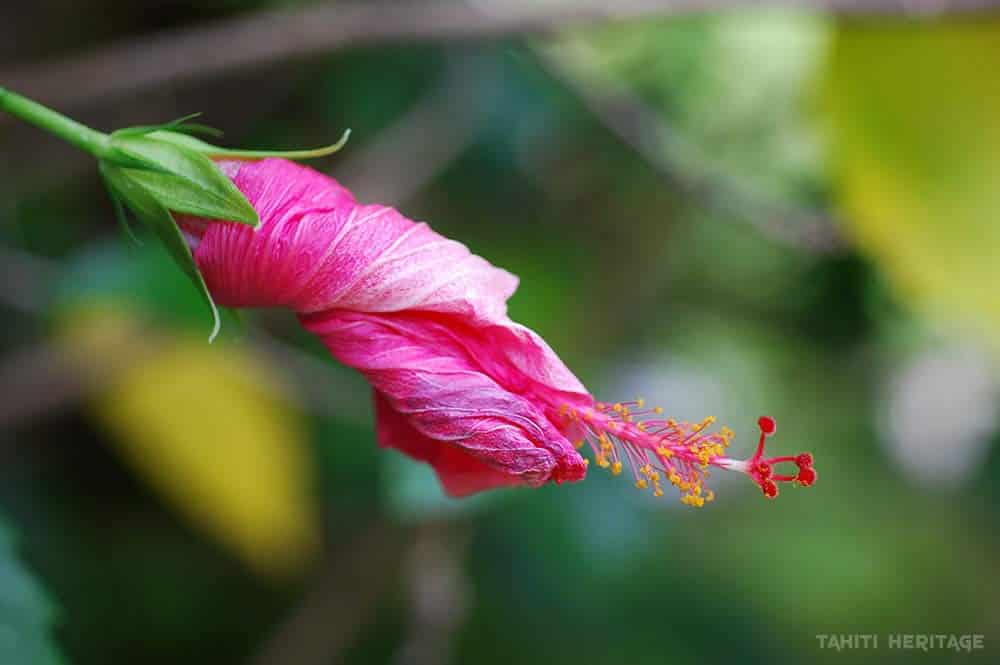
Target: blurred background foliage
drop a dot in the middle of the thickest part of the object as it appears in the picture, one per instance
(730, 214)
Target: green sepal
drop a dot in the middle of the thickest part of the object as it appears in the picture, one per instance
(192, 143)
(181, 125)
(182, 179)
(122, 217)
(178, 194)
(158, 218)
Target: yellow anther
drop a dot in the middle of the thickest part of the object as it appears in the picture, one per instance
(641, 427)
(658, 409)
(578, 444)
(664, 452)
(640, 402)
(603, 462)
(586, 462)
(696, 490)
(641, 484)
(709, 495)
(616, 468)
(617, 407)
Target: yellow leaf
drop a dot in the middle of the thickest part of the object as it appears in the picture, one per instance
(206, 427)
(914, 111)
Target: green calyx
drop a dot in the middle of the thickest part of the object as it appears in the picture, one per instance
(157, 171)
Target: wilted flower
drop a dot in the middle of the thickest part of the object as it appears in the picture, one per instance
(457, 384)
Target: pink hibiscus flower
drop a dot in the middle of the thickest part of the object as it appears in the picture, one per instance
(457, 384)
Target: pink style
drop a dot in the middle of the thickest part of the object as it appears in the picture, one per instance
(457, 384)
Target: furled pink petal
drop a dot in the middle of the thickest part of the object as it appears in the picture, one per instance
(428, 370)
(317, 249)
(459, 472)
(460, 385)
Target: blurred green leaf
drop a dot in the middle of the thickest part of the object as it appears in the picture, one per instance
(730, 89)
(26, 613)
(914, 124)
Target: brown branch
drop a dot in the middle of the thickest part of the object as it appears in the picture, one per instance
(206, 51)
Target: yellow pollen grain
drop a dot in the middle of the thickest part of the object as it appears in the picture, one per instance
(641, 484)
(616, 468)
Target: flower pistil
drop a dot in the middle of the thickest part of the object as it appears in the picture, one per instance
(661, 450)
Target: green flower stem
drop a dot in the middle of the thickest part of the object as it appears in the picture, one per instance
(81, 136)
